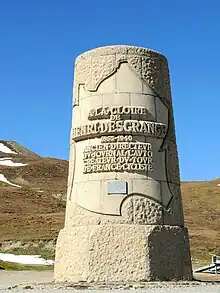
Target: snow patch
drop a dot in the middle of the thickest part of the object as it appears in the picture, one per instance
(5, 149)
(37, 189)
(25, 259)
(2, 159)
(5, 180)
(6, 162)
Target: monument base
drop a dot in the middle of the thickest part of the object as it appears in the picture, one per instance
(122, 253)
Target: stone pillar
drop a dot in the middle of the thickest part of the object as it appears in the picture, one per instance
(124, 217)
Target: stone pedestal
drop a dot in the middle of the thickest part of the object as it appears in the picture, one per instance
(122, 253)
(124, 217)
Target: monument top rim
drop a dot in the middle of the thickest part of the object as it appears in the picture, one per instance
(119, 49)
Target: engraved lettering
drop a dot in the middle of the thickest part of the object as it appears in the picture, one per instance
(118, 157)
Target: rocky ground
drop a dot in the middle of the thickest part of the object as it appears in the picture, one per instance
(43, 282)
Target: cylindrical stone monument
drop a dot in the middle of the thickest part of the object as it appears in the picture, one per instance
(124, 216)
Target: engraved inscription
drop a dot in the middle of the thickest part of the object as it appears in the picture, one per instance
(117, 111)
(118, 138)
(117, 150)
(135, 127)
(108, 157)
(119, 120)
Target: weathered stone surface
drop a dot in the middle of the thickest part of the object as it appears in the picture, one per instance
(124, 217)
(169, 256)
(95, 65)
(142, 210)
(173, 215)
(122, 253)
(173, 174)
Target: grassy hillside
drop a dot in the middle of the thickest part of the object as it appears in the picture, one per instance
(201, 202)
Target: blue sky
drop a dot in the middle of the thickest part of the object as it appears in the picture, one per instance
(39, 41)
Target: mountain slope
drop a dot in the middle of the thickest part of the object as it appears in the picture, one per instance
(35, 209)
(201, 202)
(12, 147)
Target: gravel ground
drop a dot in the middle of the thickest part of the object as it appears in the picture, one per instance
(40, 282)
(13, 278)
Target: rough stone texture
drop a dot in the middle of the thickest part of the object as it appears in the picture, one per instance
(169, 251)
(95, 65)
(131, 235)
(171, 136)
(122, 253)
(173, 215)
(173, 173)
(141, 210)
(170, 216)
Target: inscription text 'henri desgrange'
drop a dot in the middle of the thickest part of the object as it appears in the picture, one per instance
(119, 120)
